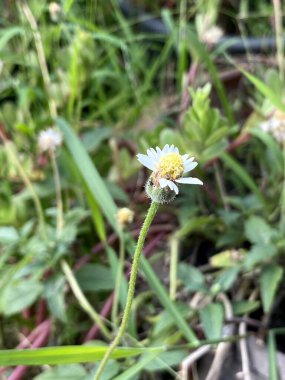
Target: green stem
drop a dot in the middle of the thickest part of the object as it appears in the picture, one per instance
(14, 157)
(174, 244)
(59, 226)
(132, 283)
(119, 279)
(84, 303)
(282, 219)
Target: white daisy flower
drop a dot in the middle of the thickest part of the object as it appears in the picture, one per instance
(275, 125)
(212, 35)
(49, 139)
(168, 167)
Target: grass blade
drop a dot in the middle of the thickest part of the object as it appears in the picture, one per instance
(68, 355)
(90, 174)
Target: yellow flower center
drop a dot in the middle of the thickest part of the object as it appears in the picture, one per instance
(170, 166)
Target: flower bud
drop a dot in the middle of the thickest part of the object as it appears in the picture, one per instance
(124, 216)
(158, 194)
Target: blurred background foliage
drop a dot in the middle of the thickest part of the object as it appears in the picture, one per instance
(215, 256)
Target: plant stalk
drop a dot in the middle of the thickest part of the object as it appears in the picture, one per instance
(132, 283)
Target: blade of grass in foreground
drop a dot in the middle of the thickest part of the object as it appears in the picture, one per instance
(102, 196)
(89, 172)
(68, 355)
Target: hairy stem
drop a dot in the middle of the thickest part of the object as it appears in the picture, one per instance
(132, 283)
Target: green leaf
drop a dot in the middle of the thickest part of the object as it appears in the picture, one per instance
(137, 367)
(167, 359)
(258, 231)
(225, 280)
(271, 144)
(54, 294)
(67, 355)
(242, 174)
(245, 307)
(8, 235)
(70, 372)
(95, 277)
(265, 90)
(8, 33)
(111, 369)
(258, 254)
(20, 294)
(88, 171)
(272, 357)
(269, 280)
(191, 277)
(170, 306)
(212, 317)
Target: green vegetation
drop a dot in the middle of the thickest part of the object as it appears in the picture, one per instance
(213, 263)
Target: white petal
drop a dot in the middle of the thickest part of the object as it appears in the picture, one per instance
(190, 181)
(152, 154)
(172, 186)
(158, 152)
(165, 149)
(163, 182)
(146, 161)
(189, 166)
(172, 148)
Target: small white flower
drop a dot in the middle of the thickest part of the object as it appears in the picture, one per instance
(168, 167)
(212, 35)
(54, 11)
(275, 125)
(49, 139)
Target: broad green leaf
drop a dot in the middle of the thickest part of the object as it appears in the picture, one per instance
(95, 277)
(67, 355)
(54, 294)
(212, 317)
(258, 231)
(228, 258)
(269, 280)
(225, 280)
(258, 254)
(20, 294)
(191, 277)
(8, 235)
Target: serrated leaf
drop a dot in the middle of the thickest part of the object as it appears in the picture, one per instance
(269, 280)
(212, 317)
